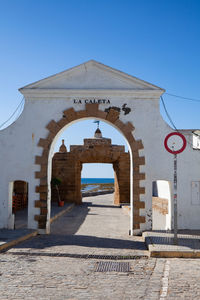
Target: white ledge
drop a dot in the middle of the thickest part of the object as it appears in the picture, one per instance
(52, 93)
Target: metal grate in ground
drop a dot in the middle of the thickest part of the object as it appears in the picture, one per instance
(112, 266)
(84, 256)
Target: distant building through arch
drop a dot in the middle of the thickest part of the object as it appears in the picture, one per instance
(67, 166)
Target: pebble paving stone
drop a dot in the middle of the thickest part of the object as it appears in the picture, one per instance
(51, 266)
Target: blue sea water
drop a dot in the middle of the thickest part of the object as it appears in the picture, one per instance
(96, 180)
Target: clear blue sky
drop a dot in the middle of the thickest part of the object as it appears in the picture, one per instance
(155, 40)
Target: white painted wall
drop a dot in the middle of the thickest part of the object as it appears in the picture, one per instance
(47, 99)
(162, 190)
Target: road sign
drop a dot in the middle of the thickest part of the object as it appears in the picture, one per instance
(175, 143)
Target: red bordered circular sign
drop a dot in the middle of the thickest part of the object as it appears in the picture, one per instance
(175, 142)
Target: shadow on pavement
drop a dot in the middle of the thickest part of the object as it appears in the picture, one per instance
(70, 223)
(90, 204)
(77, 216)
(41, 242)
(63, 233)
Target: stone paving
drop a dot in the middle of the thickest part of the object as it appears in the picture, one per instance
(21, 216)
(48, 267)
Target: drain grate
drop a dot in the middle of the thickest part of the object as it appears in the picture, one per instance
(109, 266)
(84, 256)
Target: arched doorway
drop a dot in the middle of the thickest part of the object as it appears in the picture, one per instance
(18, 197)
(68, 163)
(44, 175)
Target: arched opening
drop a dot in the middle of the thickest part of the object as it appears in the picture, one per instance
(161, 205)
(44, 175)
(95, 159)
(19, 198)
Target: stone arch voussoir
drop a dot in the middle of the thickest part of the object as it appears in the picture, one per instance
(69, 115)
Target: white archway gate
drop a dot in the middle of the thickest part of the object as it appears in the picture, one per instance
(70, 115)
(93, 90)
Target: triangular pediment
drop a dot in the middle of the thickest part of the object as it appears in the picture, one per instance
(92, 75)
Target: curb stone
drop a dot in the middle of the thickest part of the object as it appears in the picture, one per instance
(160, 249)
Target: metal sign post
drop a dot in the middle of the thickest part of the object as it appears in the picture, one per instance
(172, 145)
(175, 201)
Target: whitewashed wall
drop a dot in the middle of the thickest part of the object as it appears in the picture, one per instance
(46, 100)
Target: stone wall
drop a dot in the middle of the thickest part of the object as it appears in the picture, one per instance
(122, 179)
(67, 167)
(160, 205)
(160, 211)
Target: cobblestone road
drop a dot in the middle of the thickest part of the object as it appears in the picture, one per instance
(50, 267)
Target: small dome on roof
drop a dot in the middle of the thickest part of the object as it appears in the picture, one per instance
(63, 148)
(98, 134)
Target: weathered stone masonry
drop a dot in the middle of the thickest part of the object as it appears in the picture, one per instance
(69, 115)
(67, 167)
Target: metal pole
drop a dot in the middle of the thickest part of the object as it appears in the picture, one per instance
(175, 201)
